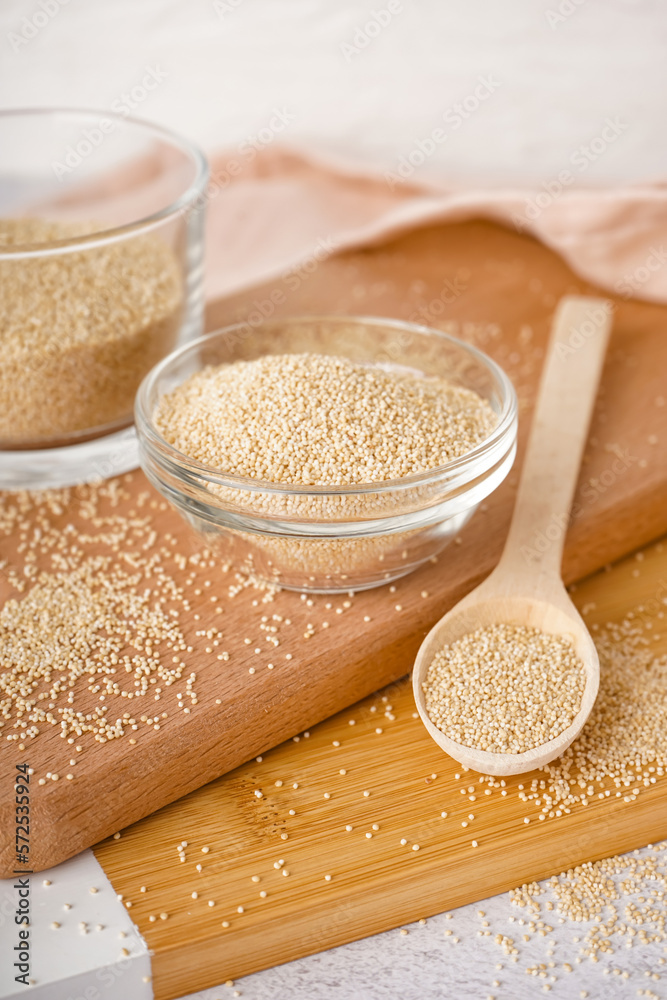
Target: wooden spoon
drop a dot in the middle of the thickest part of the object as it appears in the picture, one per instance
(526, 587)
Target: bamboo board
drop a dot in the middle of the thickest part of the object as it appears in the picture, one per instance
(507, 287)
(376, 883)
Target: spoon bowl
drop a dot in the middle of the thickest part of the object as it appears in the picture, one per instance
(485, 606)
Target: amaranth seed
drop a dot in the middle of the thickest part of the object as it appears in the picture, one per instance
(504, 688)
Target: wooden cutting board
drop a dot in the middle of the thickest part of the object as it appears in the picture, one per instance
(492, 287)
(377, 882)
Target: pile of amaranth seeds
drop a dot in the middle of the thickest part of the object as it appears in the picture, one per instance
(80, 329)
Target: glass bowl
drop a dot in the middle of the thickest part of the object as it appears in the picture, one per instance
(101, 228)
(326, 539)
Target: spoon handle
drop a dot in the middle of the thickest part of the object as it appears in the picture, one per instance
(565, 401)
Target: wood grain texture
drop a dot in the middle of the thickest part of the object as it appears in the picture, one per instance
(493, 288)
(376, 883)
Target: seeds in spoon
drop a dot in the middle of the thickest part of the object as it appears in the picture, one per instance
(504, 688)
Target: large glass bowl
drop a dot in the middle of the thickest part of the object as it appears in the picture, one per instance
(101, 227)
(326, 539)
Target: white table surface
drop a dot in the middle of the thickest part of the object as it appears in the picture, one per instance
(426, 965)
(224, 75)
(560, 76)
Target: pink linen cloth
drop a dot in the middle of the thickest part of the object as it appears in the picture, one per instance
(277, 209)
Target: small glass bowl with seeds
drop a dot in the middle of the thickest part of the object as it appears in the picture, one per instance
(101, 243)
(327, 453)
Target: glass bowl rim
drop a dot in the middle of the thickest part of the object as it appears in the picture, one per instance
(150, 437)
(104, 236)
